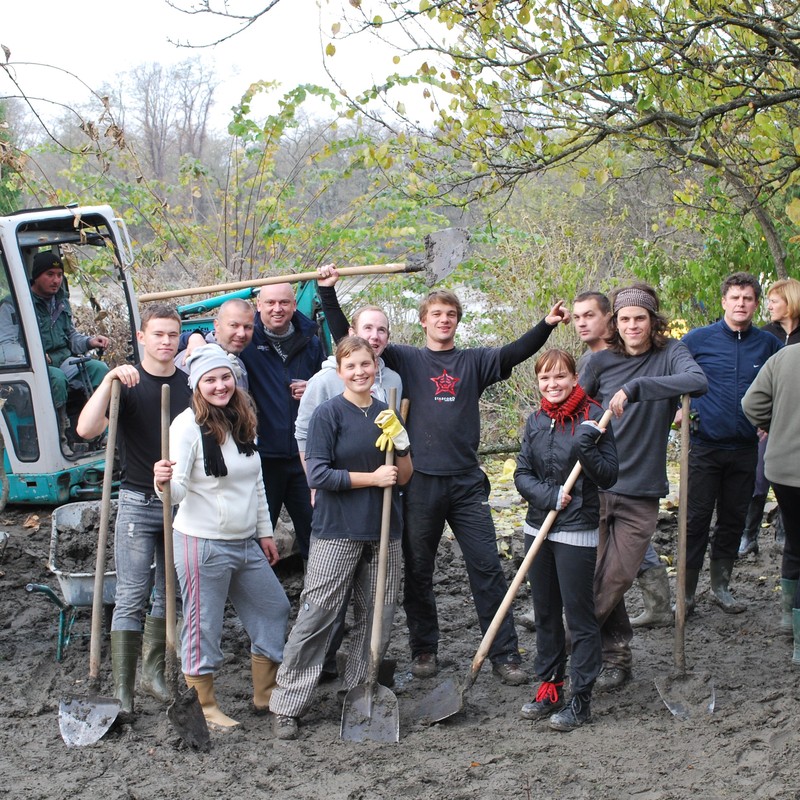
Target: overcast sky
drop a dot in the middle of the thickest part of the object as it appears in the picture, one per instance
(98, 41)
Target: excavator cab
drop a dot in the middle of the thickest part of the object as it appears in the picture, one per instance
(43, 460)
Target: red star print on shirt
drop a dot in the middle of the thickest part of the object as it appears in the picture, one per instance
(445, 384)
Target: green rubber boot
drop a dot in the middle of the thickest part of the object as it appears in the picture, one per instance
(692, 577)
(788, 590)
(154, 642)
(796, 628)
(720, 570)
(125, 647)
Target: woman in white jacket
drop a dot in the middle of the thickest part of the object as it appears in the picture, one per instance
(223, 540)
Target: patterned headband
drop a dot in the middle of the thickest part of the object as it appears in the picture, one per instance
(635, 297)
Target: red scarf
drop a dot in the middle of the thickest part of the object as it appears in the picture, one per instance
(576, 405)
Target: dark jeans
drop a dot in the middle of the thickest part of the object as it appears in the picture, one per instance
(286, 485)
(725, 479)
(462, 502)
(562, 576)
(789, 501)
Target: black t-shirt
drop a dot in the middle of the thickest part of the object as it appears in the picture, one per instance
(140, 425)
(444, 387)
(341, 439)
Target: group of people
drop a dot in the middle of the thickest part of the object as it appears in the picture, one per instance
(262, 423)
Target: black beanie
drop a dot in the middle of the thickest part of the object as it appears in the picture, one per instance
(43, 261)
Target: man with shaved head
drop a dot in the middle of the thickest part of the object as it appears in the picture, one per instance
(285, 352)
(233, 331)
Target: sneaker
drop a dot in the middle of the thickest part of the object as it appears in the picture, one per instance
(611, 678)
(510, 673)
(284, 727)
(549, 698)
(574, 715)
(425, 665)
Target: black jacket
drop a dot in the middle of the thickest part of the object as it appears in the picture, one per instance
(548, 454)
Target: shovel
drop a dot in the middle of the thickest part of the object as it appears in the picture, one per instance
(444, 251)
(85, 721)
(185, 712)
(675, 688)
(447, 699)
(370, 709)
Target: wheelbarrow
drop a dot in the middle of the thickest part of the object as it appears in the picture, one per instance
(71, 535)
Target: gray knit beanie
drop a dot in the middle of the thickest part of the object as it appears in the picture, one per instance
(208, 357)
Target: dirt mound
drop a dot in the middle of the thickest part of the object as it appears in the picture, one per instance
(749, 747)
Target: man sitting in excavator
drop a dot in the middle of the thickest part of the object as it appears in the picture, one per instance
(63, 344)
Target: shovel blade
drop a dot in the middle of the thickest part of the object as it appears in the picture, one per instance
(444, 701)
(186, 716)
(370, 713)
(444, 251)
(84, 721)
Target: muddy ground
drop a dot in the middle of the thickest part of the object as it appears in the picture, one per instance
(749, 747)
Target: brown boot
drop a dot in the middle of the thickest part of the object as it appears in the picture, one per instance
(264, 673)
(204, 686)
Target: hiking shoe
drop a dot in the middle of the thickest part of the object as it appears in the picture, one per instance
(574, 715)
(611, 678)
(284, 727)
(510, 673)
(549, 698)
(425, 665)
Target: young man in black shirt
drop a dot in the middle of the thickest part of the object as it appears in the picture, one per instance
(139, 530)
(444, 385)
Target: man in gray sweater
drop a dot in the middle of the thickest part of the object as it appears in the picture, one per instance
(640, 377)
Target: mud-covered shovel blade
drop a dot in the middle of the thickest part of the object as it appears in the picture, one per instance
(443, 702)
(84, 721)
(370, 713)
(674, 702)
(186, 715)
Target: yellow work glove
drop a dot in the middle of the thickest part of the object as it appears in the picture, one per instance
(393, 436)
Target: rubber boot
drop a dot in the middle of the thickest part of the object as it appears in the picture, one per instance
(204, 686)
(655, 593)
(264, 674)
(788, 590)
(527, 620)
(780, 531)
(154, 641)
(720, 570)
(796, 631)
(125, 647)
(692, 577)
(63, 424)
(752, 525)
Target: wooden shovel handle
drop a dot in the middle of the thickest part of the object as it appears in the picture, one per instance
(171, 653)
(296, 277)
(522, 572)
(102, 537)
(383, 565)
(678, 651)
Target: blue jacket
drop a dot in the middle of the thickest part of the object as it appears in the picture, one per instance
(269, 377)
(731, 360)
